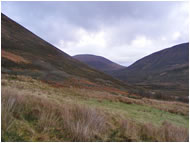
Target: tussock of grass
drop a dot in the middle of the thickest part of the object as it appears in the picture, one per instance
(29, 116)
(172, 133)
(83, 123)
(23, 82)
(74, 122)
(167, 132)
(8, 106)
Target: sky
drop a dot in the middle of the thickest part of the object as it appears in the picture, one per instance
(123, 32)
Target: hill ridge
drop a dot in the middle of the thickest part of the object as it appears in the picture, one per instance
(98, 62)
(48, 62)
(168, 67)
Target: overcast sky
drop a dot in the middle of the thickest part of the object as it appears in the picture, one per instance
(120, 31)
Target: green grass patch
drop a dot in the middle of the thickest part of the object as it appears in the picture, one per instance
(140, 113)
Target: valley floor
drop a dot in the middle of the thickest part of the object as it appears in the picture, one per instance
(36, 111)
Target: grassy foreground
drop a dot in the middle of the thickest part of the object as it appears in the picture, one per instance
(35, 111)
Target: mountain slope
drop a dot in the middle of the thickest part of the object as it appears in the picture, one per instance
(98, 62)
(24, 53)
(46, 95)
(168, 67)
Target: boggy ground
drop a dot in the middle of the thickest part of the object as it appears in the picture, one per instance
(36, 111)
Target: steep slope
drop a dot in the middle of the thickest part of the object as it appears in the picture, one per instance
(98, 62)
(24, 53)
(168, 68)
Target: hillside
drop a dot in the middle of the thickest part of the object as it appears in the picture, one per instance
(24, 53)
(98, 62)
(166, 69)
(46, 95)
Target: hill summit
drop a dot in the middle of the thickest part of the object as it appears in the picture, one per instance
(98, 62)
(165, 69)
(24, 53)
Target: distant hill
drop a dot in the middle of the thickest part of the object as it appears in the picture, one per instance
(166, 69)
(98, 62)
(24, 53)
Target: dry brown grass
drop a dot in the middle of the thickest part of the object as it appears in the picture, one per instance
(78, 122)
(128, 130)
(167, 132)
(83, 123)
(10, 106)
(168, 106)
(172, 107)
(53, 121)
(7, 110)
(173, 133)
(47, 120)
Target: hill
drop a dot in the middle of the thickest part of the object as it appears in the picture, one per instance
(24, 53)
(46, 95)
(166, 69)
(98, 62)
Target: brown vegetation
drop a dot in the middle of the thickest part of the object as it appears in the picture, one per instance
(83, 123)
(52, 121)
(148, 132)
(13, 57)
(74, 122)
(168, 106)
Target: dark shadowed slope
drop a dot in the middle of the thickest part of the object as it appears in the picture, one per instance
(25, 53)
(168, 67)
(98, 62)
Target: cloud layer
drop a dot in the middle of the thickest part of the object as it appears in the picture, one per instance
(120, 31)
